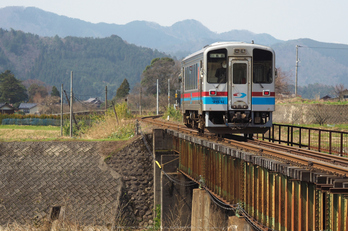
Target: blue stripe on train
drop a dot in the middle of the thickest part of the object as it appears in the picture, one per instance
(262, 101)
(223, 100)
(214, 100)
(208, 100)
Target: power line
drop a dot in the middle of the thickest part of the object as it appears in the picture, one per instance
(332, 48)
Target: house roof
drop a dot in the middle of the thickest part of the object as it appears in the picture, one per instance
(27, 105)
(93, 100)
(327, 97)
(3, 105)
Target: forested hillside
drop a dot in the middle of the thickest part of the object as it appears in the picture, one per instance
(95, 62)
(322, 65)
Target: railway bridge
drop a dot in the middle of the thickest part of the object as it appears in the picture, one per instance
(253, 186)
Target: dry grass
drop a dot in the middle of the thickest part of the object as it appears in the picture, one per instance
(27, 133)
(103, 129)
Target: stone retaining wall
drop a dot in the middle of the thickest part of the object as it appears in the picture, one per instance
(73, 181)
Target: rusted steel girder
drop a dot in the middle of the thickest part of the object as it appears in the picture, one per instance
(274, 194)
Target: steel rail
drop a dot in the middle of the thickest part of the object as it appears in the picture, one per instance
(304, 158)
(304, 152)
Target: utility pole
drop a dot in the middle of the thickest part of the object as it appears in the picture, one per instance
(157, 97)
(61, 110)
(296, 72)
(106, 99)
(168, 93)
(141, 91)
(71, 104)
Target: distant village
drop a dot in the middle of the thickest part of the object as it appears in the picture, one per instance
(34, 108)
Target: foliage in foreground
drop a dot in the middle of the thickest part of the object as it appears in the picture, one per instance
(173, 114)
(111, 126)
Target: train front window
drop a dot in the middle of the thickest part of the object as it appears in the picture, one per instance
(239, 73)
(262, 66)
(217, 66)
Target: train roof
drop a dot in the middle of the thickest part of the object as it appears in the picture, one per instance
(218, 45)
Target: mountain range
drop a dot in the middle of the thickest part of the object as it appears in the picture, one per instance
(319, 62)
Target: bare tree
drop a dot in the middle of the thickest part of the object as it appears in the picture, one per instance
(338, 90)
(49, 105)
(282, 82)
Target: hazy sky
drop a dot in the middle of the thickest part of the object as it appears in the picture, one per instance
(321, 20)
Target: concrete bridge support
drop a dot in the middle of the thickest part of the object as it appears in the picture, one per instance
(182, 205)
(172, 190)
(206, 215)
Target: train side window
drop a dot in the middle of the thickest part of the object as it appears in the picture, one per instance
(191, 75)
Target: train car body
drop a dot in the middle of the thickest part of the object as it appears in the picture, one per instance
(228, 87)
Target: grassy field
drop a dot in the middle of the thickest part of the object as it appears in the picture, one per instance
(29, 133)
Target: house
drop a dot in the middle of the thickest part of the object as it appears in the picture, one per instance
(327, 97)
(345, 94)
(5, 108)
(94, 101)
(29, 108)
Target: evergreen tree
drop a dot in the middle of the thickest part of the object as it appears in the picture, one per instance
(161, 69)
(123, 90)
(55, 92)
(11, 89)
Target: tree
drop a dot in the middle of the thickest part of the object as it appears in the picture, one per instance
(37, 92)
(161, 69)
(55, 92)
(281, 82)
(123, 90)
(338, 90)
(11, 89)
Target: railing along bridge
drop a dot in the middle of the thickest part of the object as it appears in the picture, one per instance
(271, 189)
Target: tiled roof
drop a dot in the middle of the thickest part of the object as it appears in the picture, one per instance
(26, 105)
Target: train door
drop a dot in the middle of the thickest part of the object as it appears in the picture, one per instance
(240, 84)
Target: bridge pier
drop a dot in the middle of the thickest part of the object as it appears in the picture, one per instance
(206, 215)
(182, 205)
(172, 196)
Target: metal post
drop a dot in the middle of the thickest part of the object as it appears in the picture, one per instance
(157, 97)
(61, 110)
(176, 97)
(71, 104)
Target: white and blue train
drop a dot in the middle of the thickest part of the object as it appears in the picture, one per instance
(228, 87)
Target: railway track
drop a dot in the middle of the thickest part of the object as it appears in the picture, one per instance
(328, 163)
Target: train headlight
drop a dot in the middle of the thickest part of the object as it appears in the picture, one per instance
(239, 105)
(212, 92)
(240, 51)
